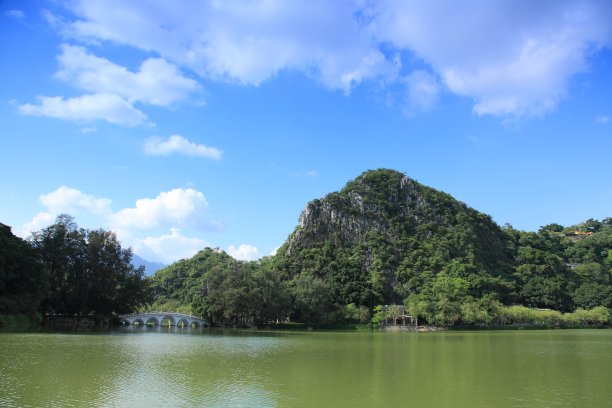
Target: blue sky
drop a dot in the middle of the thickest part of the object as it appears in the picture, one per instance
(213, 124)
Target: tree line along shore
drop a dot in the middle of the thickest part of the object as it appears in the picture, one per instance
(383, 239)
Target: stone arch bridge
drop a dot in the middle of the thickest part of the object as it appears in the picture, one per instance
(167, 318)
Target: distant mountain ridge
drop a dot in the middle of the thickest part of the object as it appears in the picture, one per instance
(150, 267)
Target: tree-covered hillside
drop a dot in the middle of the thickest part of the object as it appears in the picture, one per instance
(385, 236)
(385, 239)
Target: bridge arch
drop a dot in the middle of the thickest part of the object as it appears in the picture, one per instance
(153, 321)
(163, 318)
(167, 320)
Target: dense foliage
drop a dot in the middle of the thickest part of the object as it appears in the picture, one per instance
(22, 278)
(383, 239)
(386, 239)
(68, 270)
(222, 289)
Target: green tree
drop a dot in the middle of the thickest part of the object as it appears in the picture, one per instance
(311, 300)
(115, 285)
(22, 278)
(89, 272)
(63, 250)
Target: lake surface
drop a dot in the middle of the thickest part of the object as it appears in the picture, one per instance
(148, 367)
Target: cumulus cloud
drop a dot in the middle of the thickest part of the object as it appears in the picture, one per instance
(157, 82)
(511, 58)
(174, 207)
(65, 200)
(168, 211)
(168, 248)
(103, 106)
(113, 89)
(72, 201)
(244, 252)
(40, 221)
(158, 146)
(244, 42)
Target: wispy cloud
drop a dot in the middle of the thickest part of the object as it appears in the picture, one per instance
(422, 92)
(112, 89)
(516, 63)
(176, 144)
(157, 82)
(246, 42)
(109, 107)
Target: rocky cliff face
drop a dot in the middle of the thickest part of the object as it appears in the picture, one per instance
(375, 202)
(387, 231)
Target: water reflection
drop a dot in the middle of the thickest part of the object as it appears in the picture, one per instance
(161, 366)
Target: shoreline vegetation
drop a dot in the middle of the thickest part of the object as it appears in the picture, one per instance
(384, 239)
(20, 322)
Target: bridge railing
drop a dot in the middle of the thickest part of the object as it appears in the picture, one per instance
(156, 313)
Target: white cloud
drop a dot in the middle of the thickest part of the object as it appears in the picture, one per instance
(72, 201)
(156, 83)
(422, 91)
(168, 210)
(244, 252)
(109, 107)
(168, 248)
(113, 89)
(511, 58)
(40, 221)
(245, 42)
(65, 200)
(174, 207)
(158, 146)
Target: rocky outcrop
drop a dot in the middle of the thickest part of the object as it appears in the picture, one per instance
(361, 209)
(386, 234)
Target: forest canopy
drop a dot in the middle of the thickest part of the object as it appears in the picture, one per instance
(64, 269)
(383, 239)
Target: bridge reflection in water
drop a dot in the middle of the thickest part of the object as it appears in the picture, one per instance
(159, 318)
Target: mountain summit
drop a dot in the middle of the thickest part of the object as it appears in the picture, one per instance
(385, 236)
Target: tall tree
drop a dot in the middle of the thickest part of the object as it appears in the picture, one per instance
(89, 272)
(22, 280)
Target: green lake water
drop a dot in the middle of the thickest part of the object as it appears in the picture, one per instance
(144, 367)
